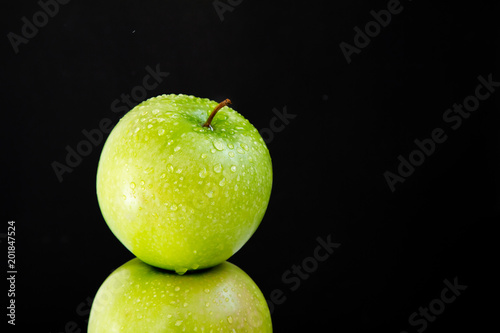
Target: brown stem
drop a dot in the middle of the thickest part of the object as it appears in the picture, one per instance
(217, 108)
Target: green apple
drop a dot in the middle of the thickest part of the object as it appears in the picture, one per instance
(140, 298)
(184, 182)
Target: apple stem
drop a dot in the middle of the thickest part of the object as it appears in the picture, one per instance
(217, 108)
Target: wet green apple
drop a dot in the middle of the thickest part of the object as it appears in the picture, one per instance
(184, 182)
(140, 298)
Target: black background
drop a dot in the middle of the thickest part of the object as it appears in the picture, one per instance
(352, 122)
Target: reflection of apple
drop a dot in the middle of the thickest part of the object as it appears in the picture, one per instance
(181, 193)
(140, 298)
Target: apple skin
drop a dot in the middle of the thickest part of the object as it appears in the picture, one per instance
(178, 195)
(137, 297)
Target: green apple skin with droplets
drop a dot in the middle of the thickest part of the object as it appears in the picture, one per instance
(140, 298)
(178, 195)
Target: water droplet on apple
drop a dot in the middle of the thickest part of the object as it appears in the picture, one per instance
(170, 167)
(218, 144)
(206, 290)
(207, 304)
(150, 126)
(240, 151)
(210, 194)
(163, 175)
(244, 146)
(177, 148)
(203, 156)
(230, 146)
(231, 154)
(233, 168)
(222, 182)
(178, 323)
(203, 173)
(132, 185)
(218, 168)
(180, 271)
(156, 111)
(161, 132)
